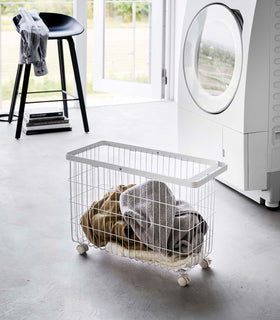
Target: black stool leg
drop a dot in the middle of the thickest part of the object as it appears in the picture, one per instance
(62, 76)
(15, 93)
(78, 82)
(23, 99)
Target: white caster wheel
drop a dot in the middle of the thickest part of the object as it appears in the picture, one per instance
(82, 248)
(183, 280)
(205, 263)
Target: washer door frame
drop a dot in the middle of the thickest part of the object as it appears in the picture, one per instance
(204, 100)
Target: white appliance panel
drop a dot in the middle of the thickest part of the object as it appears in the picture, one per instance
(200, 137)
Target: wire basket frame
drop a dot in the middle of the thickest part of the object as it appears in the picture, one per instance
(144, 204)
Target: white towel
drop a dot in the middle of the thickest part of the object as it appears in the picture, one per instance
(173, 262)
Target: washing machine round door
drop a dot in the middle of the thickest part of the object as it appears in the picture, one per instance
(212, 58)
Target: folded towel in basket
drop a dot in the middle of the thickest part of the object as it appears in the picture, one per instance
(161, 222)
(103, 222)
(187, 236)
(173, 262)
(149, 208)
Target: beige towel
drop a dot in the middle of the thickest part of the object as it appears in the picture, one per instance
(174, 262)
(103, 222)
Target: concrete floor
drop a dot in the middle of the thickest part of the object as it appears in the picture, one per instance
(42, 276)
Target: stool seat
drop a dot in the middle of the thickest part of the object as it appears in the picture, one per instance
(60, 25)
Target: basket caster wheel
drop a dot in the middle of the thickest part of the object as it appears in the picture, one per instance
(205, 263)
(82, 248)
(183, 280)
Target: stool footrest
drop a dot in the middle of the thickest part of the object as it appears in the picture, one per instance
(49, 91)
(74, 98)
(55, 100)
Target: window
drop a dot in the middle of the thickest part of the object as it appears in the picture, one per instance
(129, 47)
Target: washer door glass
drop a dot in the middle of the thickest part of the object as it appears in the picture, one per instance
(212, 58)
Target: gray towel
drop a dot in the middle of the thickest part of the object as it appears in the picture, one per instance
(160, 222)
(149, 209)
(187, 236)
(34, 38)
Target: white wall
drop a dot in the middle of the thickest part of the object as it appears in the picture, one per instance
(180, 6)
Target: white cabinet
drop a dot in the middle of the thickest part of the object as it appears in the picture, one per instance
(245, 154)
(246, 157)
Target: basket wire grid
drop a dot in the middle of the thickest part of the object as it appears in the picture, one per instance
(105, 169)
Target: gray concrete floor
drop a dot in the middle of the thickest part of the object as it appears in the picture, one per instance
(42, 276)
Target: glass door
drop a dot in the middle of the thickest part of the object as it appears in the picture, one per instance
(129, 47)
(212, 57)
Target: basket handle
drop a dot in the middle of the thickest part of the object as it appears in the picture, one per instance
(208, 174)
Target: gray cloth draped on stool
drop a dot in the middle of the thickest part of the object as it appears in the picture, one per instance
(34, 38)
(161, 222)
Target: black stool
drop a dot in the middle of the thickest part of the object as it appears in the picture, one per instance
(60, 27)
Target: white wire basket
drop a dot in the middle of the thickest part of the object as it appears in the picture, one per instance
(144, 204)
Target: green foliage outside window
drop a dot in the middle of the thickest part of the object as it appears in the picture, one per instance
(124, 10)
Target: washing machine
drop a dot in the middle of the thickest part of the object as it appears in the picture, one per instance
(229, 92)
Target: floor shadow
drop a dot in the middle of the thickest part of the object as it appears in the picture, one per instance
(158, 286)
